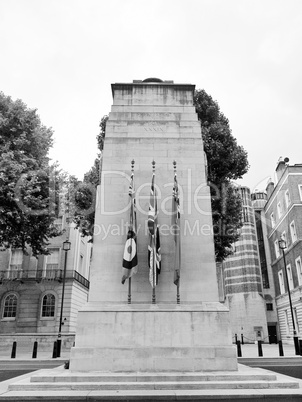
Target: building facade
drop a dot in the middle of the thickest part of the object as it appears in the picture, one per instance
(243, 284)
(259, 200)
(31, 290)
(283, 214)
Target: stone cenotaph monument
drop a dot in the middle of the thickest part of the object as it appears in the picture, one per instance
(153, 120)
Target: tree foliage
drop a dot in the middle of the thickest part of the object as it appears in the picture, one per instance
(27, 184)
(84, 193)
(84, 200)
(101, 136)
(226, 161)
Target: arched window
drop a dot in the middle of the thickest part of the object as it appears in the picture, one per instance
(48, 305)
(10, 306)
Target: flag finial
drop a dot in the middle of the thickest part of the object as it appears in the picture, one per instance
(132, 165)
(153, 166)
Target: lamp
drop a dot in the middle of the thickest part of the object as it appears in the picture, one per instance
(66, 245)
(66, 248)
(282, 246)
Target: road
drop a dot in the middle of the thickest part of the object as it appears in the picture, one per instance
(287, 366)
(291, 366)
(14, 368)
(7, 374)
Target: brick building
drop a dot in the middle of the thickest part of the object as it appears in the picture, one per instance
(31, 290)
(283, 213)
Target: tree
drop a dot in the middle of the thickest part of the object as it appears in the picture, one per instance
(101, 136)
(226, 161)
(84, 193)
(84, 200)
(27, 184)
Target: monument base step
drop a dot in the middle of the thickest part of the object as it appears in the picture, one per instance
(247, 384)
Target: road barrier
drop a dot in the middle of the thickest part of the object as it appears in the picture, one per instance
(281, 353)
(14, 350)
(239, 353)
(35, 350)
(260, 352)
(55, 350)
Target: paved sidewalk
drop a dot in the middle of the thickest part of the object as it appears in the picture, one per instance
(28, 356)
(248, 350)
(269, 350)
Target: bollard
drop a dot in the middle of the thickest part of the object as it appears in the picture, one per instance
(54, 352)
(239, 353)
(242, 341)
(236, 339)
(260, 353)
(300, 346)
(14, 350)
(59, 347)
(35, 350)
(281, 353)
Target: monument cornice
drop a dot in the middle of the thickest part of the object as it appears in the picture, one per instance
(141, 84)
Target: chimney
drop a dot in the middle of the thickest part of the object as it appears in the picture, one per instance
(281, 166)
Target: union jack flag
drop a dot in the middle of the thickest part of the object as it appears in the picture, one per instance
(176, 230)
(154, 256)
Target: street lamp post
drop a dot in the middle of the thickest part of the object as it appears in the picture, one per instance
(66, 248)
(282, 246)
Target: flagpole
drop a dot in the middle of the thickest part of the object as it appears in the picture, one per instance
(154, 276)
(131, 224)
(129, 290)
(154, 256)
(178, 282)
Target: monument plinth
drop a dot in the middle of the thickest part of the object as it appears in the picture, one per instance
(153, 120)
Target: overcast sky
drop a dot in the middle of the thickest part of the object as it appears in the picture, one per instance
(60, 56)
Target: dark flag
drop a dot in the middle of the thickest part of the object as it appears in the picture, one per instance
(130, 252)
(176, 230)
(154, 256)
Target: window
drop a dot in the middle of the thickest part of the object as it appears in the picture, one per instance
(245, 196)
(269, 307)
(300, 191)
(10, 306)
(80, 266)
(286, 322)
(58, 224)
(48, 305)
(15, 265)
(273, 222)
(277, 249)
(299, 270)
(284, 237)
(290, 277)
(281, 282)
(52, 264)
(245, 214)
(287, 198)
(293, 232)
(296, 319)
(279, 209)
